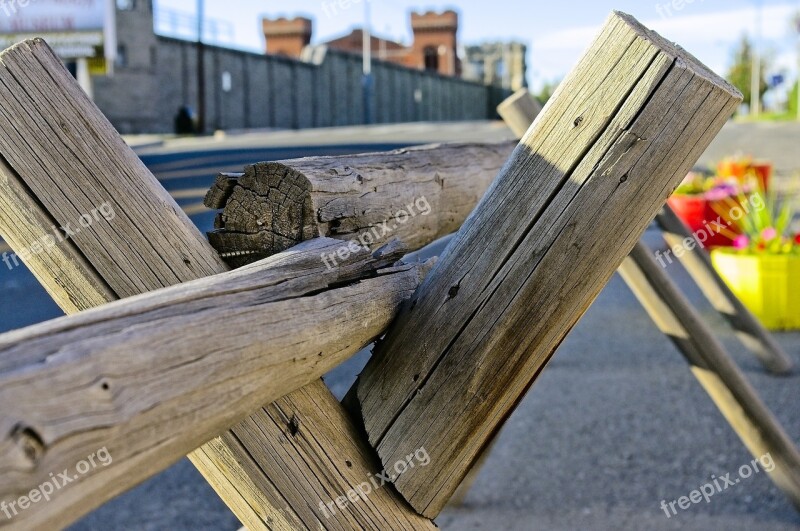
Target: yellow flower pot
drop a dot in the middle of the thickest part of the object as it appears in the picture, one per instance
(768, 284)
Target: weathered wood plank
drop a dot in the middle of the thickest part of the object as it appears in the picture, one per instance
(619, 134)
(714, 369)
(747, 327)
(417, 195)
(184, 362)
(152, 246)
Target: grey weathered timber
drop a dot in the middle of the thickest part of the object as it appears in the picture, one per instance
(417, 195)
(713, 367)
(519, 111)
(698, 264)
(618, 135)
(184, 362)
(64, 160)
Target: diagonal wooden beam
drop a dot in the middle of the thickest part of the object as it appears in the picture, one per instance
(63, 160)
(619, 134)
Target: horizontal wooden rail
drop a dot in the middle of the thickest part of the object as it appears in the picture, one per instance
(616, 138)
(185, 362)
(417, 195)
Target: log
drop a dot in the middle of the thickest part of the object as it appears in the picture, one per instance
(698, 264)
(184, 362)
(417, 195)
(614, 141)
(519, 111)
(714, 369)
(64, 160)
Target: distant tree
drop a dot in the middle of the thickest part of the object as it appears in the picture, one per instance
(740, 72)
(792, 103)
(547, 90)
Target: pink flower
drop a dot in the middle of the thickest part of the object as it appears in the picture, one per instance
(741, 242)
(797, 239)
(769, 234)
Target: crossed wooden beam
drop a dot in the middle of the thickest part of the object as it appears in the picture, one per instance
(153, 377)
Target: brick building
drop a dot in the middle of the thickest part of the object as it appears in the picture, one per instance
(435, 46)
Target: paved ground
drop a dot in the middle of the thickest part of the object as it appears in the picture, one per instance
(614, 426)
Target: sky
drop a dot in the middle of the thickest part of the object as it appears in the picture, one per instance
(556, 32)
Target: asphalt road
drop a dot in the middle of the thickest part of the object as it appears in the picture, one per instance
(615, 425)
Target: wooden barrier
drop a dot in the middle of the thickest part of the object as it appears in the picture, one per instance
(747, 327)
(579, 191)
(64, 160)
(713, 367)
(559, 219)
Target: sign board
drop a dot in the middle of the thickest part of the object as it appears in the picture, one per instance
(75, 29)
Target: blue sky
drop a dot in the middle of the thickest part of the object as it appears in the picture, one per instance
(556, 32)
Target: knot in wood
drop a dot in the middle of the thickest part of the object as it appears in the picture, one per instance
(29, 442)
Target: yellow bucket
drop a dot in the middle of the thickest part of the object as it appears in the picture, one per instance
(769, 285)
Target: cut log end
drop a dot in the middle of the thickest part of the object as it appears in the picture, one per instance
(267, 210)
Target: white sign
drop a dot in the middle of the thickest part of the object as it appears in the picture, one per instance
(73, 28)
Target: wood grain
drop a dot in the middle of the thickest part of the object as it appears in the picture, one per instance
(618, 135)
(64, 157)
(417, 195)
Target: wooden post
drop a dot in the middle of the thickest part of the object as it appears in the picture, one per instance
(185, 362)
(63, 161)
(619, 134)
(749, 330)
(714, 369)
(417, 195)
(519, 111)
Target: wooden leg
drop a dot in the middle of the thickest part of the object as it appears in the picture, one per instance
(736, 399)
(749, 330)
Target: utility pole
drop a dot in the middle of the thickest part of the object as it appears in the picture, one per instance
(201, 69)
(367, 64)
(755, 74)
